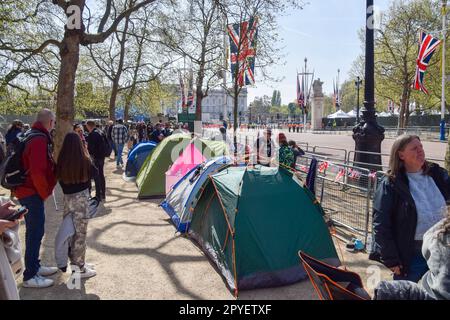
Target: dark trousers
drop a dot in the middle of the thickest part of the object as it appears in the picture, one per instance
(100, 184)
(418, 266)
(34, 222)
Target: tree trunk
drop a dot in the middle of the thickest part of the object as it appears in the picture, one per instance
(115, 88)
(130, 95)
(199, 97)
(406, 123)
(113, 98)
(65, 111)
(403, 109)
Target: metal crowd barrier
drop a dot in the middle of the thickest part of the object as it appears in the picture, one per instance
(344, 192)
(331, 151)
(345, 188)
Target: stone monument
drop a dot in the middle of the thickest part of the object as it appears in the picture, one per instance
(317, 106)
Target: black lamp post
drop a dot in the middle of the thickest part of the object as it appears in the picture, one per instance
(368, 135)
(358, 84)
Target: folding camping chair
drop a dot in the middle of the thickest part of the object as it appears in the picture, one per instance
(332, 283)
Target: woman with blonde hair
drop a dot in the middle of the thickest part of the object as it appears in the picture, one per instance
(408, 202)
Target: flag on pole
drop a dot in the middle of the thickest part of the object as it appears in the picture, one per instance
(183, 95)
(243, 50)
(300, 94)
(390, 107)
(190, 97)
(427, 46)
(336, 96)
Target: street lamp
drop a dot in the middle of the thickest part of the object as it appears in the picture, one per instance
(368, 135)
(358, 84)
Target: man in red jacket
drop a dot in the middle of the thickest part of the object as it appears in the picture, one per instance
(37, 160)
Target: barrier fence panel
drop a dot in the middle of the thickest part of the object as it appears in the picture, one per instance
(337, 153)
(384, 159)
(304, 146)
(344, 193)
(345, 196)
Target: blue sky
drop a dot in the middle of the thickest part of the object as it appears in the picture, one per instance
(326, 32)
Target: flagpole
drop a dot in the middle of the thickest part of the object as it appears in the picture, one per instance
(337, 90)
(444, 34)
(305, 81)
(225, 69)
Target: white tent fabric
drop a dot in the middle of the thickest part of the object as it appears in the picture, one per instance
(353, 113)
(339, 114)
(385, 114)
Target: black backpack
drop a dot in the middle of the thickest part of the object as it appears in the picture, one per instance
(12, 173)
(106, 146)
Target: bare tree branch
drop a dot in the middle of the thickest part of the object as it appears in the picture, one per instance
(100, 37)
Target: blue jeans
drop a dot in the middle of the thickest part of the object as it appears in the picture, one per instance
(113, 147)
(119, 153)
(417, 268)
(34, 222)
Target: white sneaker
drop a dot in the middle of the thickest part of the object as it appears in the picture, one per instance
(38, 282)
(47, 271)
(87, 272)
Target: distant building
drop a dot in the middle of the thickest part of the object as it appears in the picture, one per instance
(218, 105)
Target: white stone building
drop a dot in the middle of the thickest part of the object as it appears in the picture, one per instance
(218, 104)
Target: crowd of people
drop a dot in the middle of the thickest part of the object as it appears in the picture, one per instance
(411, 224)
(80, 160)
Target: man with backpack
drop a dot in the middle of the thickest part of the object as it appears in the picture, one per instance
(98, 148)
(35, 151)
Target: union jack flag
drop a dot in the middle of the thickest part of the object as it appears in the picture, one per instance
(300, 94)
(183, 96)
(323, 166)
(340, 175)
(190, 97)
(391, 106)
(243, 50)
(336, 96)
(427, 47)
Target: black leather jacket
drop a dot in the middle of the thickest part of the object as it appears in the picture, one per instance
(395, 218)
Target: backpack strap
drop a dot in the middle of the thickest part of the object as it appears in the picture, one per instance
(32, 133)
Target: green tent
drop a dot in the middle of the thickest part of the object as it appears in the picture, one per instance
(253, 221)
(151, 180)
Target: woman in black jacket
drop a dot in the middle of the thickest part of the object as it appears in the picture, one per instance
(74, 170)
(408, 202)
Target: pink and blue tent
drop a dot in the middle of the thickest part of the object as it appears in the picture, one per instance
(189, 159)
(181, 199)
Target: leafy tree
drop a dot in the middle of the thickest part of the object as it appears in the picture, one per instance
(396, 52)
(60, 28)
